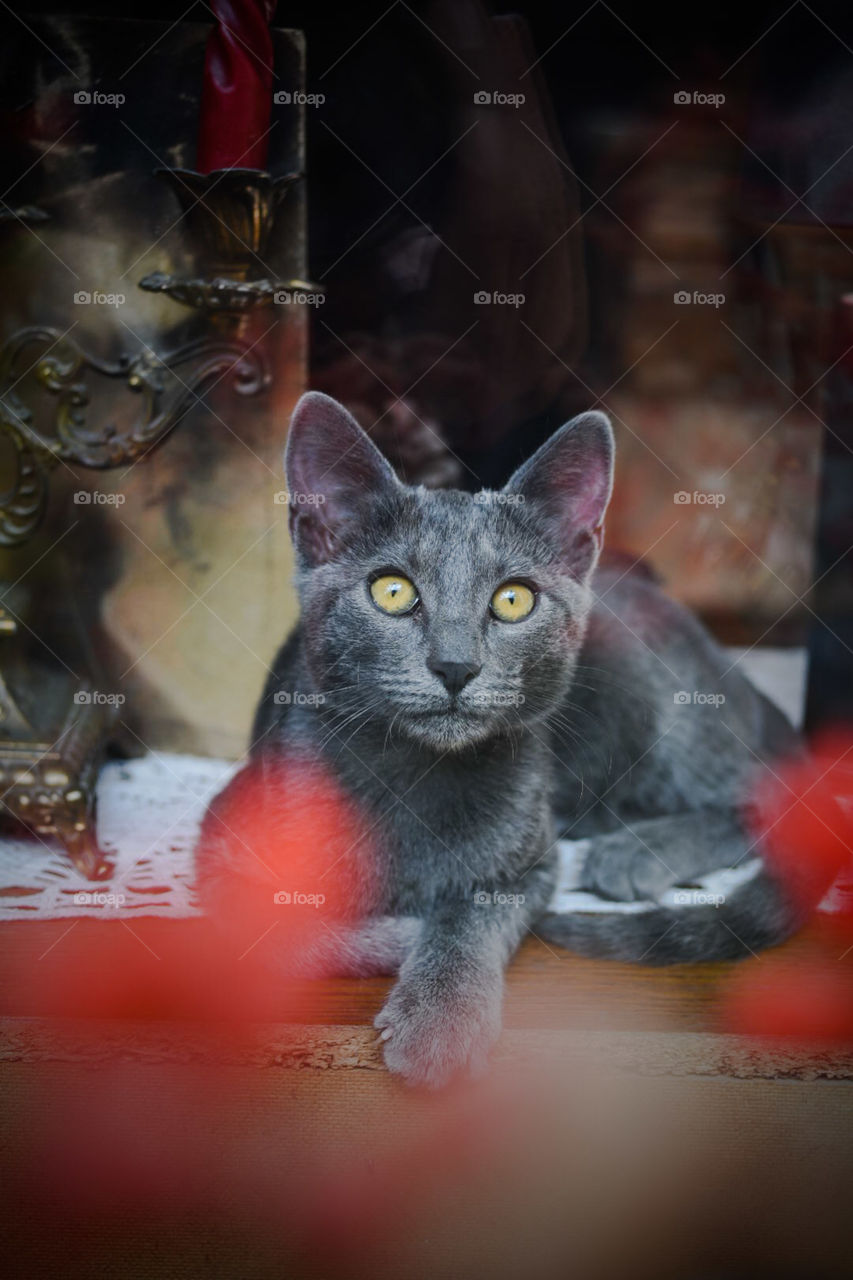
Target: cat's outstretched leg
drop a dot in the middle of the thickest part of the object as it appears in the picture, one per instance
(444, 1013)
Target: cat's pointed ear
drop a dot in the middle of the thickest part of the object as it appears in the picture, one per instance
(332, 469)
(569, 481)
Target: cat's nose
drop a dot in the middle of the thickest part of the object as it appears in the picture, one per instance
(455, 675)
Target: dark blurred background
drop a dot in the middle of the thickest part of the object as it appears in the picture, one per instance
(662, 208)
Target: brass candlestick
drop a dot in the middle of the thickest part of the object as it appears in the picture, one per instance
(49, 760)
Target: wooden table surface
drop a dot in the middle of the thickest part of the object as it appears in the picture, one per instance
(110, 1021)
(168, 968)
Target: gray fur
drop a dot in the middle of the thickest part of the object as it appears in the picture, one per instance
(569, 727)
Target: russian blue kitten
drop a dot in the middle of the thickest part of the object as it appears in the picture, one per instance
(477, 688)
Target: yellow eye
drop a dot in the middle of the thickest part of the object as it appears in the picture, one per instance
(512, 602)
(394, 593)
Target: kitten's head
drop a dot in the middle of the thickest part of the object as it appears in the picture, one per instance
(444, 616)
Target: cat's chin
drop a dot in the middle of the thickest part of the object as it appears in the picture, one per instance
(450, 730)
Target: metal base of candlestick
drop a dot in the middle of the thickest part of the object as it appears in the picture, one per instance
(53, 740)
(223, 294)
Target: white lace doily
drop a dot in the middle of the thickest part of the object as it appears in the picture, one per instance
(149, 811)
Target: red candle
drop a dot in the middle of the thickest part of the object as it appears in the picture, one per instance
(237, 91)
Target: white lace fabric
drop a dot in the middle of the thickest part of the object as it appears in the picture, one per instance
(148, 815)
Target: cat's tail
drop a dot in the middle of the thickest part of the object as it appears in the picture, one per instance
(759, 913)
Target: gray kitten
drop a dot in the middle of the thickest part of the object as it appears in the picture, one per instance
(477, 687)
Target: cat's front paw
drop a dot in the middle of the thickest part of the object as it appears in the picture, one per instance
(433, 1031)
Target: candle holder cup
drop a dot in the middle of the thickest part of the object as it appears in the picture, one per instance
(230, 214)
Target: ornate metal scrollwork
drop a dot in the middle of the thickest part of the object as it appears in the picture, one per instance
(22, 508)
(42, 434)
